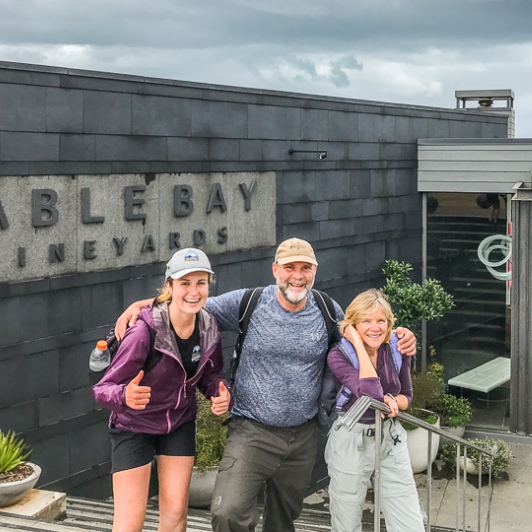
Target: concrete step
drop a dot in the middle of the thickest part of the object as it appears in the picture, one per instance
(85, 515)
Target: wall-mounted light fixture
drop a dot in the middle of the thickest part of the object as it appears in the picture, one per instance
(321, 154)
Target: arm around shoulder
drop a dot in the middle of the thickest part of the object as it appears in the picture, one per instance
(129, 317)
(406, 341)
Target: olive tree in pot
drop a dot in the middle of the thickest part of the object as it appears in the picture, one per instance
(210, 445)
(17, 476)
(411, 303)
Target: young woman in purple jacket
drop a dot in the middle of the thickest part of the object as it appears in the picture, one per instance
(350, 454)
(153, 413)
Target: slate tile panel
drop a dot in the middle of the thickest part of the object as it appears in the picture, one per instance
(23, 108)
(64, 111)
(27, 147)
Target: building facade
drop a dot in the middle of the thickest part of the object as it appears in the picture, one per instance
(102, 176)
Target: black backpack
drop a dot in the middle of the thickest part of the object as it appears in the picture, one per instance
(325, 304)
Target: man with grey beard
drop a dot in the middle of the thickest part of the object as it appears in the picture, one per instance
(272, 433)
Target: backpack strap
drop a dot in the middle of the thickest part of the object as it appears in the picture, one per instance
(248, 304)
(349, 352)
(326, 305)
(245, 310)
(394, 354)
(153, 356)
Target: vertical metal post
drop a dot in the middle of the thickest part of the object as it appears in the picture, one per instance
(464, 485)
(479, 487)
(457, 486)
(490, 494)
(377, 475)
(429, 480)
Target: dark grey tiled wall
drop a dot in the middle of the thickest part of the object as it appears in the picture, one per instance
(358, 207)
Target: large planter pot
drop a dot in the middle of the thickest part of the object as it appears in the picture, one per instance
(12, 492)
(201, 488)
(418, 445)
(455, 431)
(471, 468)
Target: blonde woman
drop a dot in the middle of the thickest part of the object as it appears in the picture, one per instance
(350, 454)
(153, 412)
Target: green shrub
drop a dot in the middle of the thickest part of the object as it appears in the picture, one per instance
(413, 302)
(427, 388)
(454, 411)
(501, 451)
(12, 451)
(210, 441)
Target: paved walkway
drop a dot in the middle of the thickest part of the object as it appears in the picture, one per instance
(511, 508)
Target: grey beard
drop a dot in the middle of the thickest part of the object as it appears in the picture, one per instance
(291, 298)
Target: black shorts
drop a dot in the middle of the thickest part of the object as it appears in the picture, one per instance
(133, 449)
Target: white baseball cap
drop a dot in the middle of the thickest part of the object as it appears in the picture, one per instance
(186, 261)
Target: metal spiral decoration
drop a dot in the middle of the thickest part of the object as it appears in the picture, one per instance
(492, 243)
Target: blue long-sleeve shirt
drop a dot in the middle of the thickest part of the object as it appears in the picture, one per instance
(281, 365)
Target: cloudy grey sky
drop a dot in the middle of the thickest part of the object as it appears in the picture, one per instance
(405, 51)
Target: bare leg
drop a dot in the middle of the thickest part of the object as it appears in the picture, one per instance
(130, 493)
(174, 474)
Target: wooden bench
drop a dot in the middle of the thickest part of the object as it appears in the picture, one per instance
(485, 377)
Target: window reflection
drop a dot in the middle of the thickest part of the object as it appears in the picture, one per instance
(477, 329)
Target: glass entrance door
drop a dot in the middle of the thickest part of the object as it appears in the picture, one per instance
(477, 330)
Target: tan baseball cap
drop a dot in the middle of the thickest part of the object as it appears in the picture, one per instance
(295, 250)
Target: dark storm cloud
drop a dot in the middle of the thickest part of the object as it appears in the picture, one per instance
(403, 51)
(308, 25)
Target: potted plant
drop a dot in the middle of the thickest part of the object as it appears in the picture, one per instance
(455, 413)
(427, 386)
(17, 476)
(413, 302)
(210, 445)
(502, 454)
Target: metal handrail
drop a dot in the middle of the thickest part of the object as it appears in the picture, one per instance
(359, 408)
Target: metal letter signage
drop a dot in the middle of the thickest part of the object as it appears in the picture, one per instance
(64, 224)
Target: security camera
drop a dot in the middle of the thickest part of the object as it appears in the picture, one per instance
(322, 155)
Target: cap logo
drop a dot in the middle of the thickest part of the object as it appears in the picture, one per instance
(191, 257)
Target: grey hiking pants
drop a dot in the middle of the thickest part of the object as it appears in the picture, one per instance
(281, 459)
(350, 457)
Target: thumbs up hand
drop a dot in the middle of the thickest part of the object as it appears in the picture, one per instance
(137, 397)
(220, 404)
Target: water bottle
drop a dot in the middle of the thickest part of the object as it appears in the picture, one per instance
(100, 357)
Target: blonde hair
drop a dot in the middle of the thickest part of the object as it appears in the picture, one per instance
(366, 303)
(164, 292)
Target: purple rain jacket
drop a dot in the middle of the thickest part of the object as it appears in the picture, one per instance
(173, 400)
(387, 381)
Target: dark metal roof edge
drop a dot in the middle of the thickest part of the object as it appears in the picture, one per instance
(132, 78)
(465, 142)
